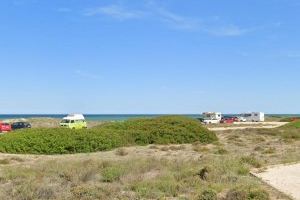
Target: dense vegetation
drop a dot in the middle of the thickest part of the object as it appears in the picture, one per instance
(162, 130)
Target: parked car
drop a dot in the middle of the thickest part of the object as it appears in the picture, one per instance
(228, 120)
(241, 119)
(20, 125)
(5, 127)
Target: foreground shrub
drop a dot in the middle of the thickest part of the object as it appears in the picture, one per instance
(162, 130)
(208, 195)
(247, 193)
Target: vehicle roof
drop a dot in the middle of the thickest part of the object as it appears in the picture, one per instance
(74, 117)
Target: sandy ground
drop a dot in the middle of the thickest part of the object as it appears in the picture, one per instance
(247, 125)
(285, 178)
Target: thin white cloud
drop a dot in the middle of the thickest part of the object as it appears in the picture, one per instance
(115, 11)
(177, 21)
(173, 20)
(226, 30)
(86, 75)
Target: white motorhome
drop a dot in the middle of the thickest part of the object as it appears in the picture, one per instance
(212, 117)
(254, 116)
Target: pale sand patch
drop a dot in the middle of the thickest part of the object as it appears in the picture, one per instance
(250, 125)
(285, 178)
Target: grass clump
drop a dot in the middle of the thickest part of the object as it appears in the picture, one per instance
(161, 130)
(247, 193)
(251, 160)
(111, 174)
(208, 195)
(122, 152)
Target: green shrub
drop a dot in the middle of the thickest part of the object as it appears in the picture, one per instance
(294, 124)
(208, 195)
(111, 174)
(161, 130)
(247, 193)
(258, 194)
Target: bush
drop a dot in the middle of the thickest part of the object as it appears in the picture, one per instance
(161, 130)
(208, 195)
(247, 193)
(111, 174)
(290, 119)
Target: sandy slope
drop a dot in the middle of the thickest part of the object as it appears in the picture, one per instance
(285, 178)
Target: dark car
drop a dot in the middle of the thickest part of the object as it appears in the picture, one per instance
(20, 125)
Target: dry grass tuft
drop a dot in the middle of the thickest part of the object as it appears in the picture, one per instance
(122, 152)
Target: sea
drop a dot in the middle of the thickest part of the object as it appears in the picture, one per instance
(115, 117)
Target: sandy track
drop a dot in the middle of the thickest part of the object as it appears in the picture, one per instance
(252, 125)
(285, 178)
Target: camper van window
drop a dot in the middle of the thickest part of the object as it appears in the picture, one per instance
(72, 121)
(65, 121)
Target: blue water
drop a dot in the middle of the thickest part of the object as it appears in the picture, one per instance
(115, 117)
(87, 116)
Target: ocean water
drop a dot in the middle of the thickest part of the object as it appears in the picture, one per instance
(114, 117)
(88, 117)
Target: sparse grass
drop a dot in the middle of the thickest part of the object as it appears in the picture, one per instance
(252, 161)
(269, 150)
(150, 178)
(4, 162)
(200, 148)
(177, 147)
(221, 151)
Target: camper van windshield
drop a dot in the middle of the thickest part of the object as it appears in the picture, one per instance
(65, 121)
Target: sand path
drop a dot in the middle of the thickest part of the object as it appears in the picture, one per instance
(285, 178)
(252, 125)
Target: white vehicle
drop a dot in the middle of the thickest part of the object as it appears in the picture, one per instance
(254, 116)
(212, 117)
(74, 117)
(74, 121)
(241, 119)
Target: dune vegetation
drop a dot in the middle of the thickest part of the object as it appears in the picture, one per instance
(200, 169)
(161, 130)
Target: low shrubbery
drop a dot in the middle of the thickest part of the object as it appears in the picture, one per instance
(290, 119)
(290, 131)
(161, 130)
(294, 124)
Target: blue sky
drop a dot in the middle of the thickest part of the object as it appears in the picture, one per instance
(149, 56)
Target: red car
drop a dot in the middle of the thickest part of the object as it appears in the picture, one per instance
(228, 120)
(5, 127)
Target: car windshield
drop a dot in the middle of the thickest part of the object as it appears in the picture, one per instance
(65, 121)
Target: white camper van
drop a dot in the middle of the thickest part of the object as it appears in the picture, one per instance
(254, 116)
(212, 117)
(74, 121)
